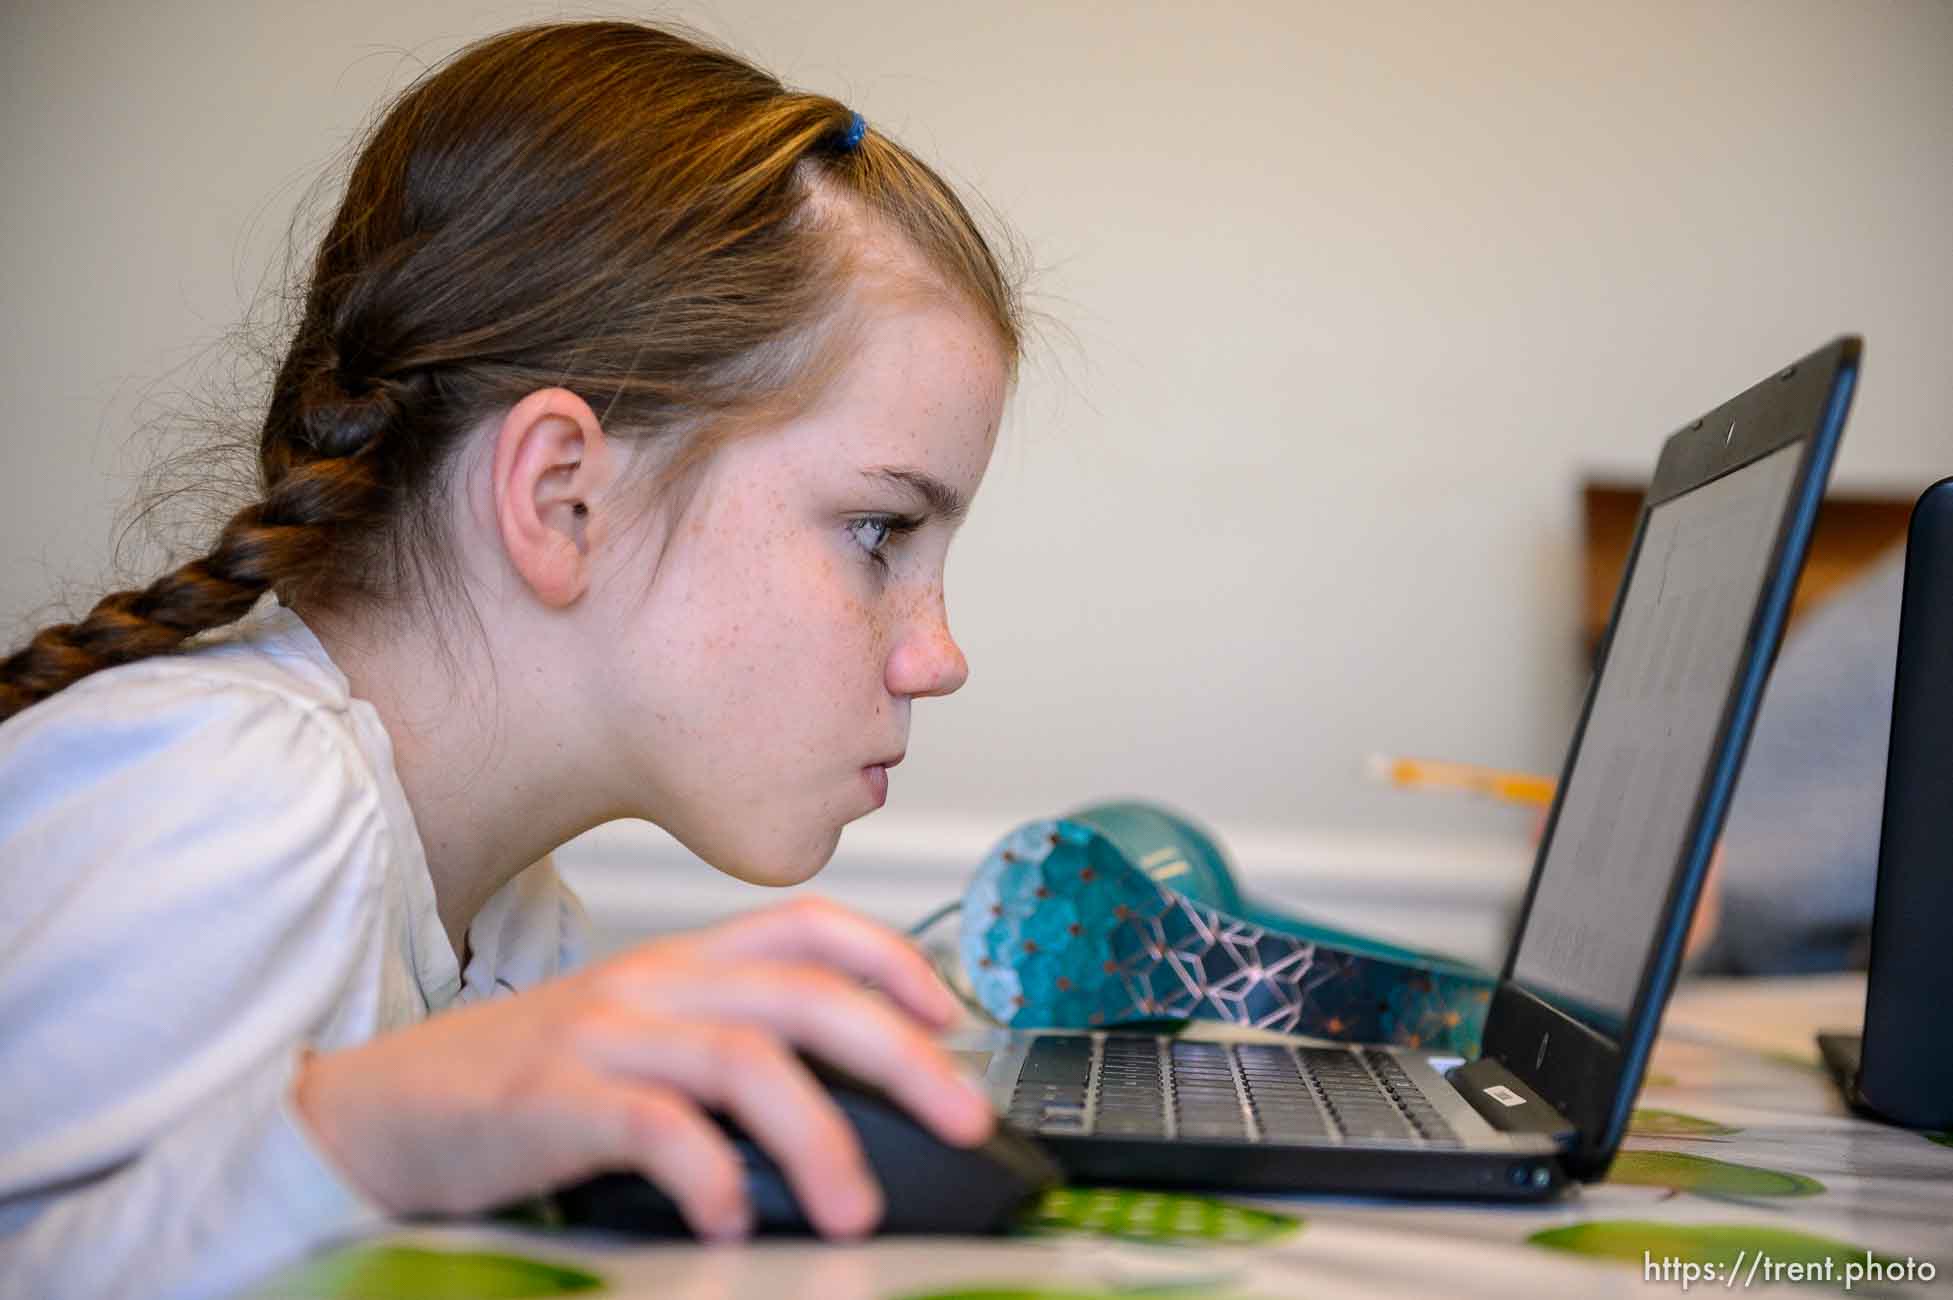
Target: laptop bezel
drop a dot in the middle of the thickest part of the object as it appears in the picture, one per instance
(1588, 1076)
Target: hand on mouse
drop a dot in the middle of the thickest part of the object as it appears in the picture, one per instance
(614, 1066)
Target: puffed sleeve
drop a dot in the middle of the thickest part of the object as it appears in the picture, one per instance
(190, 879)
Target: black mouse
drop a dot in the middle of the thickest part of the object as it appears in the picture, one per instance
(928, 1186)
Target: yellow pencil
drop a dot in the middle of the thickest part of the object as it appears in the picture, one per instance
(1433, 774)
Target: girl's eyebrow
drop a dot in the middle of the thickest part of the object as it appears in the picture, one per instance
(942, 499)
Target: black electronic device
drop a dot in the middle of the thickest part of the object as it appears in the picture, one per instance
(1902, 1069)
(928, 1186)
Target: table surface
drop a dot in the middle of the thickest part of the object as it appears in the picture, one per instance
(1741, 1158)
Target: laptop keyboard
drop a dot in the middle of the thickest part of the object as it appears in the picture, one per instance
(1140, 1086)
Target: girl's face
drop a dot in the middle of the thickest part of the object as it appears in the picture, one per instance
(762, 689)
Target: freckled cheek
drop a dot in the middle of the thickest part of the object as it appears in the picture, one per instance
(863, 629)
(802, 617)
(861, 637)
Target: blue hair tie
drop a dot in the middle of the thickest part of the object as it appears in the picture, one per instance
(857, 127)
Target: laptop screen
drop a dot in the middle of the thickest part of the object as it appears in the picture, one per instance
(1693, 590)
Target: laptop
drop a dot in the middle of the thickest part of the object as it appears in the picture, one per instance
(1695, 627)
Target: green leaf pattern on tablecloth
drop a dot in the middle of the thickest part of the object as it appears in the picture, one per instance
(1706, 1177)
(1155, 1217)
(1723, 1245)
(1646, 1122)
(417, 1273)
(1797, 1060)
(1198, 1291)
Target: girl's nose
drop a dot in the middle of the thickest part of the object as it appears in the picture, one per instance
(927, 661)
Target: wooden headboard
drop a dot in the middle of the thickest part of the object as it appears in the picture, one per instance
(1852, 532)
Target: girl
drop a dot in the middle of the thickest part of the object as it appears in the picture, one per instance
(610, 473)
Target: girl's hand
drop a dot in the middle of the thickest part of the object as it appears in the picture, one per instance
(614, 1066)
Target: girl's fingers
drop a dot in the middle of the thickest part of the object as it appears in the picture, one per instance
(670, 1141)
(714, 1019)
(750, 1075)
(815, 930)
(829, 1015)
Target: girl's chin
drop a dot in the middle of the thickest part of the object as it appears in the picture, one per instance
(777, 866)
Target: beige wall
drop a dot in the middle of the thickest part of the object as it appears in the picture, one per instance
(1355, 294)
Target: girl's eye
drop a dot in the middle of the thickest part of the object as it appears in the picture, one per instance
(873, 533)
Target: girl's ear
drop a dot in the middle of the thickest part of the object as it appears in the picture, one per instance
(550, 468)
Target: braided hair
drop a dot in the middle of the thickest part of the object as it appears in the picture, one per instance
(609, 207)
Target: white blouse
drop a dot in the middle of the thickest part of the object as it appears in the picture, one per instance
(207, 864)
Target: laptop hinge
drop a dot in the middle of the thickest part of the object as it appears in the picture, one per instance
(1507, 1104)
